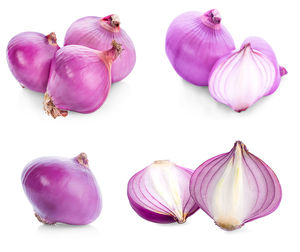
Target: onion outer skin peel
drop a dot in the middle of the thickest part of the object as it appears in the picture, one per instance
(29, 56)
(235, 187)
(80, 79)
(157, 193)
(62, 190)
(97, 33)
(194, 42)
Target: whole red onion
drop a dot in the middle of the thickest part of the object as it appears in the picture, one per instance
(97, 33)
(195, 42)
(62, 190)
(79, 79)
(29, 56)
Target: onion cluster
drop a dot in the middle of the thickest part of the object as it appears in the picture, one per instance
(77, 76)
(203, 53)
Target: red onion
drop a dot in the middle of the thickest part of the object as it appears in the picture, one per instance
(244, 76)
(29, 56)
(235, 188)
(79, 79)
(62, 190)
(160, 193)
(195, 42)
(97, 33)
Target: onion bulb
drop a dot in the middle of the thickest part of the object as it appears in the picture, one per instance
(194, 42)
(29, 56)
(62, 190)
(80, 79)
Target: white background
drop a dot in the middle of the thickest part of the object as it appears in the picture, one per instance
(152, 114)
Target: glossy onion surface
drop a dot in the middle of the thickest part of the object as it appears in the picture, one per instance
(194, 42)
(29, 56)
(79, 79)
(62, 190)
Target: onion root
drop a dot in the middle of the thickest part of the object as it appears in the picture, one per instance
(51, 109)
(42, 220)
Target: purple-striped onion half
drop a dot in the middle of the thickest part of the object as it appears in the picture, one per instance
(243, 77)
(235, 188)
(80, 79)
(97, 33)
(160, 193)
(62, 190)
(194, 42)
(29, 56)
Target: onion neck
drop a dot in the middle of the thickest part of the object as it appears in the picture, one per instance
(82, 160)
(162, 163)
(246, 48)
(109, 56)
(111, 23)
(212, 19)
(51, 38)
(240, 146)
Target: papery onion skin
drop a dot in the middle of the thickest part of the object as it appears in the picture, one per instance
(79, 79)
(97, 33)
(194, 42)
(241, 78)
(254, 188)
(262, 46)
(29, 56)
(62, 190)
(153, 206)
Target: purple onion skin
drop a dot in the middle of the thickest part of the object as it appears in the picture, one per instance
(87, 31)
(29, 56)
(149, 215)
(194, 42)
(62, 190)
(262, 46)
(72, 88)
